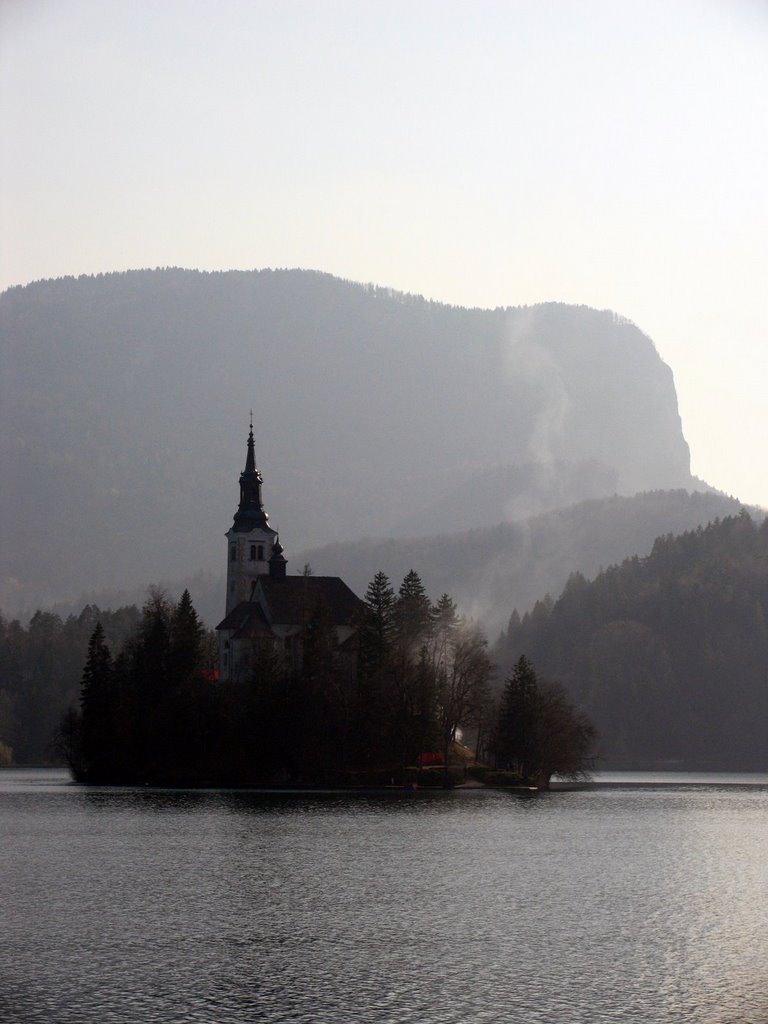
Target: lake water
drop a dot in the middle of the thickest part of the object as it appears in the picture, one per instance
(642, 900)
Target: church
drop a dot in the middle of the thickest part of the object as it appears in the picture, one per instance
(265, 606)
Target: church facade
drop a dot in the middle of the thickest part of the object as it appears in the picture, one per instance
(265, 607)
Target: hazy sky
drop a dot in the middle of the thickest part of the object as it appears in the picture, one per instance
(605, 152)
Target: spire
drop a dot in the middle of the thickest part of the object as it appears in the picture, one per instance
(250, 459)
(250, 513)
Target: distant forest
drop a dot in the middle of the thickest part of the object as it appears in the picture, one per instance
(667, 654)
(493, 569)
(41, 666)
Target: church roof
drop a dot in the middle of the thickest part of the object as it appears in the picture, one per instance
(248, 622)
(289, 601)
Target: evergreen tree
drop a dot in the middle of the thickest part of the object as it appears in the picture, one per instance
(378, 627)
(186, 638)
(150, 648)
(372, 705)
(412, 613)
(411, 684)
(539, 731)
(99, 705)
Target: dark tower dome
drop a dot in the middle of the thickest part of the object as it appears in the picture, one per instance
(277, 561)
(250, 513)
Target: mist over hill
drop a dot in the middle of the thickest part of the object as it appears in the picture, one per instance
(491, 571)
(124, 410)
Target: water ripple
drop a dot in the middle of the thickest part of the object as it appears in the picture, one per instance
(600, 906)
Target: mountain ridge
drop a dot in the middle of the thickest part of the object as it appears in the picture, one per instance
(125, 396)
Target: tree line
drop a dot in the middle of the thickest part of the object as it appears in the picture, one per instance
(421, 679)
(153, 714)
(41, 666)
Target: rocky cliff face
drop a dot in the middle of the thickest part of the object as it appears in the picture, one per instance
(125, 398)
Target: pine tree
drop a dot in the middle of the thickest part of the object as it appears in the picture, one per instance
(98, 700)
(518, 725)
(186, 637)
(372, 702)
(148, 650)
(539, 731)
(378, 630)
(413, 613)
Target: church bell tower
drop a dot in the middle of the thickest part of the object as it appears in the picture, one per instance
(250, 540)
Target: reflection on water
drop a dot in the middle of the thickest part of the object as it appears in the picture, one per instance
(608, 904)
(681, 779)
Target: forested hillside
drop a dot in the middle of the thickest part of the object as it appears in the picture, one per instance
(494, 569)
(124, 409)
(40, 670)
(667, 654)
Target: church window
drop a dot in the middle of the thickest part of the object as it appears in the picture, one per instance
(261, 552)
(252, 554)
(233, 552)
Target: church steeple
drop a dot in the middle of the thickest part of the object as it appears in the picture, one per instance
(250, 459)
(250, 513)
(250, 539)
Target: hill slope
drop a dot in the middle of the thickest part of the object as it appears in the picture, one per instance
(488, 570)
(492, 570)
(667, 654)
(124, 406)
